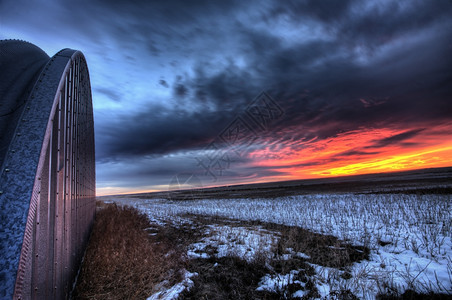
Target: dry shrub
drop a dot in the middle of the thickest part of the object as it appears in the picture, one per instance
(324, 250)
(232, 277)
(411, 295)
(121, 261)
(225, 278)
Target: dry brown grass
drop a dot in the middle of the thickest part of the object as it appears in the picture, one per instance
(122, 261)
(233, 277)
(324, 250)
(224, 278)
(411, 295)
(128, 258)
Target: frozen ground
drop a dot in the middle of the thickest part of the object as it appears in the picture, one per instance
(174, 291)
(410, 236)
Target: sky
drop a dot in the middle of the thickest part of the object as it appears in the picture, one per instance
(204, 93)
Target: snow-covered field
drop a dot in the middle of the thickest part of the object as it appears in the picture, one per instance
(410, 236)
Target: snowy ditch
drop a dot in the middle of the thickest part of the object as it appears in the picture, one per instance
(409, 237)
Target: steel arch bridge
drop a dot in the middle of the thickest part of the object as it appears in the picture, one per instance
(47, 176)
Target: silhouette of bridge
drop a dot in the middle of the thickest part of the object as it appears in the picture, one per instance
(47, 175)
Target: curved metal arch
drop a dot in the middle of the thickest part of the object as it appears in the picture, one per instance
(49, 179)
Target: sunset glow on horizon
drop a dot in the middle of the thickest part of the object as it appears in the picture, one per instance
(357, 87)
(362, 152)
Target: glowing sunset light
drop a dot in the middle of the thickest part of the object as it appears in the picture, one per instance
(174, 83)
(345, 144)
(427, 159)
(361, 152)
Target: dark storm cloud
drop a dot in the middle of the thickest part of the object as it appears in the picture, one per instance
(153, 48)
(231, 89)
(370, 22)
(387, 66)
(325, 85)
(172, 10)
(386, 21)
(155, 132)
(397, 139)
(369, 102)
(373, 64)
(178, 72)
(255, 171)
(356, 153)
(163, 83)
(325, 11)
(158, 27)
(336, 80)
(180, 90)
(142, 171)
(110, 93)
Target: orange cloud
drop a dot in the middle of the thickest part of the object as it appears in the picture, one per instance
(362, 151)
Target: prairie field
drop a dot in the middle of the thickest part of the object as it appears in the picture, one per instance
(375, 244)
(402, 241)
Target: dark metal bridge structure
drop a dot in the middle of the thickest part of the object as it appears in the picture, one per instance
(47, 175)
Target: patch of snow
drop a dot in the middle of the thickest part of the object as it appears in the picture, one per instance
(302, 255)
(278, 282)
(410, 236)
(240, 241)
(299, 294)
(173, 292)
